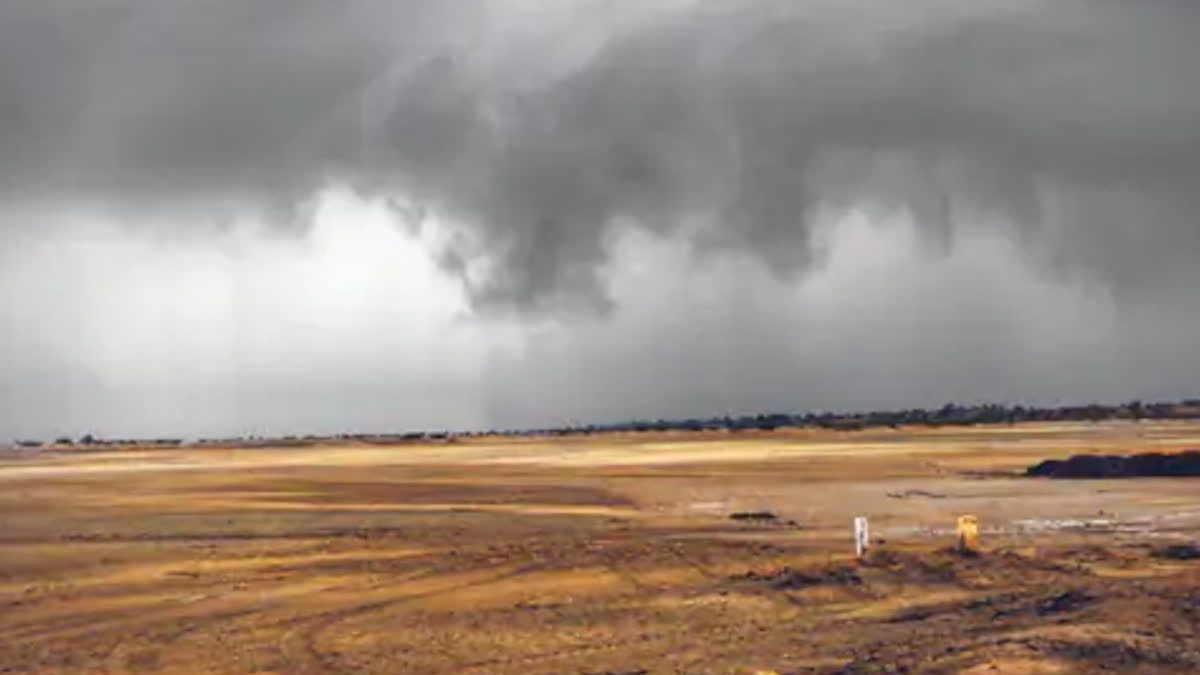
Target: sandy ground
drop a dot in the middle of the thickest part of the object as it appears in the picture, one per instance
(606, 554)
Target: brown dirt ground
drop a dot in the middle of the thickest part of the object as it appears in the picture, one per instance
(608, 554)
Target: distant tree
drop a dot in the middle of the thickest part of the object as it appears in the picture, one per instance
(64, 440)
(1136, 412)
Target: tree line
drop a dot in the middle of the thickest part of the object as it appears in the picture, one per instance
(950, 414)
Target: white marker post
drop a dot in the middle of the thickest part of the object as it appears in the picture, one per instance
(861, 536)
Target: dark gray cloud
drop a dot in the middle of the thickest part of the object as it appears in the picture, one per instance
(701, 335)
(1070, 122)
(739, 186)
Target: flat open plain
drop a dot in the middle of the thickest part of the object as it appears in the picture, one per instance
(601, 554)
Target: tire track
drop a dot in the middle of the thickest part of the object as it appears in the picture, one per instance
(298, 645)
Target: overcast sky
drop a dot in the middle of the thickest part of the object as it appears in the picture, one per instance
(229, 217)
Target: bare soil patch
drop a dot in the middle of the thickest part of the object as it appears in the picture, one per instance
(591, 556)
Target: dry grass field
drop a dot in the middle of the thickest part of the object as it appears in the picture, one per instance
(601, 554)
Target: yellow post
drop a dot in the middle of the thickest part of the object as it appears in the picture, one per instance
(968, 534)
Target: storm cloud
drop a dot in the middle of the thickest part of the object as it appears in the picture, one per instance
(541, 126)
(535, 137)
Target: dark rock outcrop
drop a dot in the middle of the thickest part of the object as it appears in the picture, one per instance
(1120, 466)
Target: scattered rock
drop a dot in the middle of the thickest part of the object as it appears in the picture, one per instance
(912, 614)
(905, 494)
(753, 515)
(1067, 601)
(786, 578)
(1179, 552)
(538, 605)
